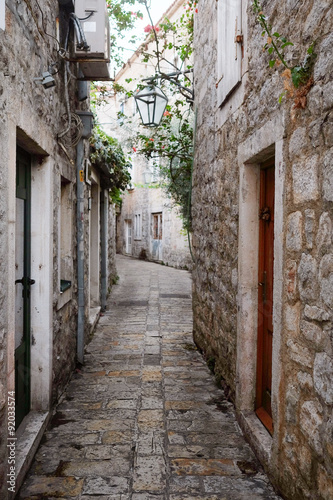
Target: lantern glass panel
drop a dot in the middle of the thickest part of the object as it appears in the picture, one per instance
(151, 102)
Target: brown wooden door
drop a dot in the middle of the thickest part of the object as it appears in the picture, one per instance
(265, 295)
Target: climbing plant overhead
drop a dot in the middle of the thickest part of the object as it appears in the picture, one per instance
(170, 146)
(122, 20)
(106, 151)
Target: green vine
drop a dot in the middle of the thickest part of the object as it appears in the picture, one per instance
(170, 147)
(122, 19)
(276, 44)
(106, 151)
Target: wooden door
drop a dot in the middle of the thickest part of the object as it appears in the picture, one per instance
(265, 295)
(23, 283)
(157, 236)
(128, 231)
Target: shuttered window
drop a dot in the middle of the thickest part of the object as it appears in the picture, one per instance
(229, 47)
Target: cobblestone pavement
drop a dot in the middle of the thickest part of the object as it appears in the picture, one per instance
(144, 419)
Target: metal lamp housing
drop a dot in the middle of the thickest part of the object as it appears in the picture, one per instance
(48, 80)
(151, 102)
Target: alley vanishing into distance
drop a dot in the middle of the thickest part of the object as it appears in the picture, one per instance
(144, 419)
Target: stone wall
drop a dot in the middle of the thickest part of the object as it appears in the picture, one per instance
(112, 246)
(249, 127)
(33, 116)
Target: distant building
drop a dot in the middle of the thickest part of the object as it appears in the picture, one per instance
(149, 224)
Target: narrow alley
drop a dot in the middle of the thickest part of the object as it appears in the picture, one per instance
(144, 419)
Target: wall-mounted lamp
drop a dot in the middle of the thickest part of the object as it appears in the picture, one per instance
(46, 80)
(151, 103)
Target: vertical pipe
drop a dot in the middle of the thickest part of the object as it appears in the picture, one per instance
(80, 249)
(104, 247)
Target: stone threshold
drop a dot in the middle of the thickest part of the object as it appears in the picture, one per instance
(29, 435)
(94, 314)
(258, 437)
(260, 441)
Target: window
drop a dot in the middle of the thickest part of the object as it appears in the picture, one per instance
(229, 60)
(157, 226)
(154, 167)
(137, 227)
(2, 15)
(65, 242)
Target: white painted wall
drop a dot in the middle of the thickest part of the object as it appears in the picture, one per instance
(2, 14)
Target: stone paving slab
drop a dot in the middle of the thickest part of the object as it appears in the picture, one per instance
(143, 419)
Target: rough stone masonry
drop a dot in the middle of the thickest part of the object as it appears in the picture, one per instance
(234, 138)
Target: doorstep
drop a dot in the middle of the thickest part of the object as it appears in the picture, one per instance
(29, 435)
(94, 314)
(257, 435)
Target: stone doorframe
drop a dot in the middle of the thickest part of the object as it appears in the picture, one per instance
(261, 145)
(31, 430)
(41, 268)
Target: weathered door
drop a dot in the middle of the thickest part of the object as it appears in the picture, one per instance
(157, 236)
(23, 283)
(265, 295)
(128, 236)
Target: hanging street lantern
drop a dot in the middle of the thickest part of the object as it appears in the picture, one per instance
(151, 103)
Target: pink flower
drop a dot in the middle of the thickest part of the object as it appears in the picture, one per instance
(166, 113)
(134, 149)
(150, 28)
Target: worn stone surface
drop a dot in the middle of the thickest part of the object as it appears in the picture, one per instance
(305, 180)
(294, 231)
(323, 374)
(156, 431)
(309, 226)
(311, 421)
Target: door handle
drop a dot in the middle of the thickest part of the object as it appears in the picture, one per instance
(263, 284)
(25, 281)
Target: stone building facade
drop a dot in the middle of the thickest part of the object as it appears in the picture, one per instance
(44, 321)
(263, 213)
(149, 224)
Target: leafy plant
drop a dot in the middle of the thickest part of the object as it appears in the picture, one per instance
(170, 148)
(122, 19)
(276, 44)
(106, 151)
(172, 141)
(170, 145)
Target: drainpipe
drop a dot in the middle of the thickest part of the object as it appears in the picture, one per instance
(104, 248)
(87, 120)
